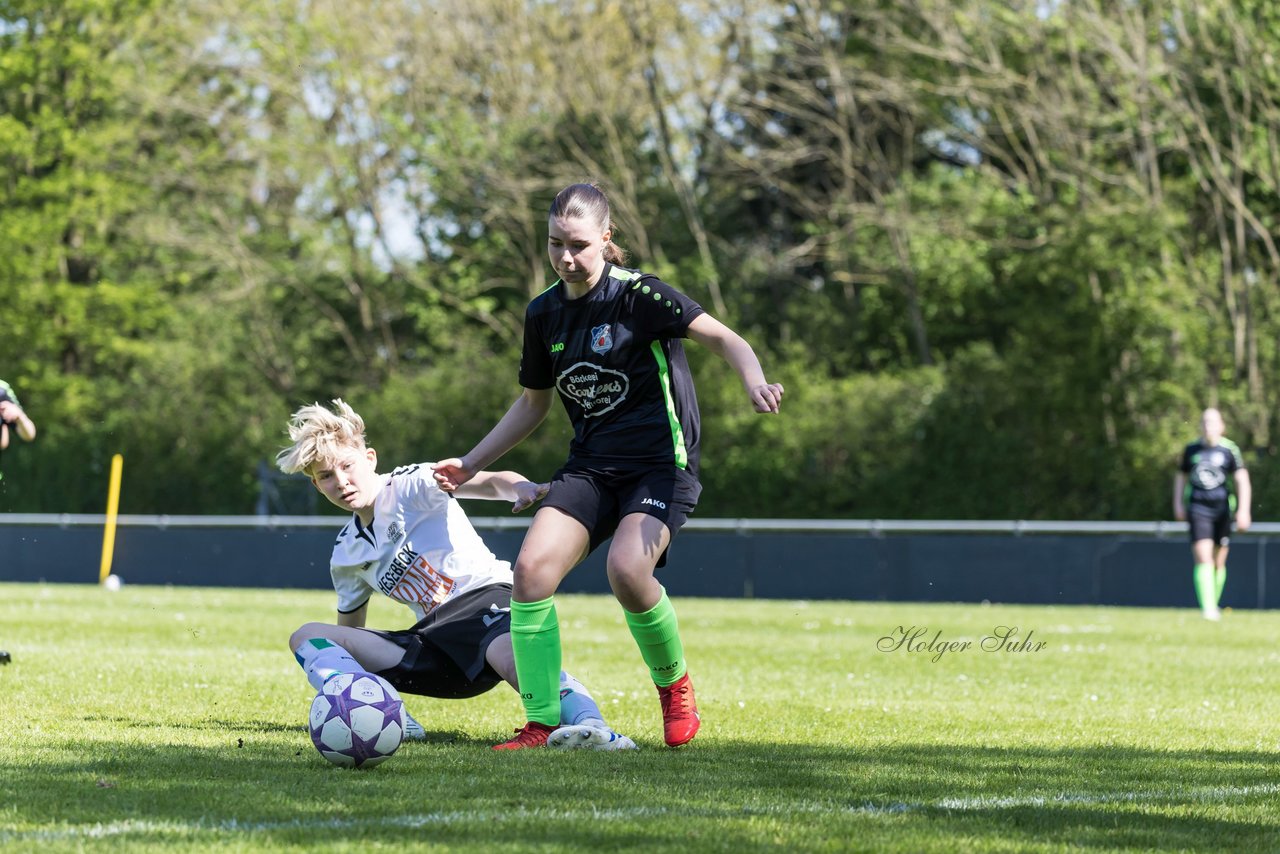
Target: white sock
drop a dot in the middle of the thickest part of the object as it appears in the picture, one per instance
(322, 659)
(412, 728)
(577, 706)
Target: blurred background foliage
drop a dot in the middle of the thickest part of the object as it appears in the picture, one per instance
(1000, 253)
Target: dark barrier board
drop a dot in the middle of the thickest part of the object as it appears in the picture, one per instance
(1036, 569)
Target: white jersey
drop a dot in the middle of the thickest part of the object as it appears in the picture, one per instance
(420, 550)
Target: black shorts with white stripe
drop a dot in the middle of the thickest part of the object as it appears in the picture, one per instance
(444, 654)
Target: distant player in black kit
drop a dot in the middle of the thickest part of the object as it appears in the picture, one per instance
(607, 340)
(11, 412)
(1203, 495)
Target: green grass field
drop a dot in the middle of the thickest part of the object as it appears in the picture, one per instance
(173, 719)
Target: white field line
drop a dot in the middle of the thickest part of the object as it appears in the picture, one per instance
(131, 827)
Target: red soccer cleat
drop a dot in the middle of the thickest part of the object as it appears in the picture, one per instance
(532, 734)
(680, 719)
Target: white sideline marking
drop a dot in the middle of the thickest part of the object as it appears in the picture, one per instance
(471, 817)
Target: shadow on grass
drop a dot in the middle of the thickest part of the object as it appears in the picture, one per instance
(241, 728)
(710, 796)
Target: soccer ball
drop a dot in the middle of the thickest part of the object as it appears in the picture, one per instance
(357, 720)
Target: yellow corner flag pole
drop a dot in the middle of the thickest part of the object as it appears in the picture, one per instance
(113, 505)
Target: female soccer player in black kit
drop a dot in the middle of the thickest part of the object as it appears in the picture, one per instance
(1211, 487)
(607, 340)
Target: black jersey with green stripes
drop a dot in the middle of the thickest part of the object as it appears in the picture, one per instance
(1210, 471)
(616, 359)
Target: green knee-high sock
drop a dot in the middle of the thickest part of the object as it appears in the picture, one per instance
(1206, 588)
(658, 635)
(535, 641)
(1220, 581)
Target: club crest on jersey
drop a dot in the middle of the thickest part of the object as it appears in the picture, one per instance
(394, 531)
(602, 339)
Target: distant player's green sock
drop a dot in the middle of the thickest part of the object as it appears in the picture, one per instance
(323, 659)
(1206, 586)
(1220, 581)
(535, 642)
(658, 635)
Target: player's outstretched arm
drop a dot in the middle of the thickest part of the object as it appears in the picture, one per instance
(765, 396)
(528, 411)
(504, 486)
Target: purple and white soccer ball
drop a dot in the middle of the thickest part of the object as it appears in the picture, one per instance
(357, 720)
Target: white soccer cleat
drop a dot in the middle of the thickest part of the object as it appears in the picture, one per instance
(588, 737)
(413, 730)
(1212, 614)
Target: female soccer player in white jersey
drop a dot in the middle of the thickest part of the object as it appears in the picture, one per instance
(607, 339)
(409, 540)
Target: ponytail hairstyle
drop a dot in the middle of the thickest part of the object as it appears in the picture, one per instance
(588, 201)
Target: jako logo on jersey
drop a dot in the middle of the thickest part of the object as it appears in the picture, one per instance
(601, 339)
(655, 502)
(557, 348)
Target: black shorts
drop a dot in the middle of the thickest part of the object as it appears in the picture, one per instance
(1208, 523)
(600, 497)
(444, 653)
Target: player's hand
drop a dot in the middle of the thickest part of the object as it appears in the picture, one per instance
(1243, 520)
(528, 494)
(766, 397)
(451, 473)
(9, 411)
(1180, 514)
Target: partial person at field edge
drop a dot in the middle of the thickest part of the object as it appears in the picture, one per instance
(1212, 485)
(12, 413)
(411, 541)
(607, 340)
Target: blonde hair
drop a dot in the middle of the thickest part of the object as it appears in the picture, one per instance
(320, 435)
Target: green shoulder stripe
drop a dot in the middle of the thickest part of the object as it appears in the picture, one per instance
(549, 288)
(1234, 449)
